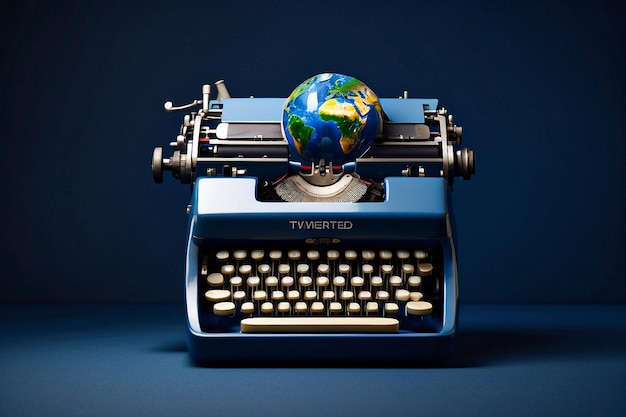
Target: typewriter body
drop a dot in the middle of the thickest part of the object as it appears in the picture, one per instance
(295, 259)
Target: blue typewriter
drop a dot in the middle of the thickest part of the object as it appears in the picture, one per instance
(320, 226)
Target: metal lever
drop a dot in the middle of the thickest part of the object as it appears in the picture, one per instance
(169, 107)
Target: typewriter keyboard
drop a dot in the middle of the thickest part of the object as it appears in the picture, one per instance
(319, 291)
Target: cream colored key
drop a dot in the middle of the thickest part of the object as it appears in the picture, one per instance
(346, 295)
(264, 269)
(332, 255)
(271, 282)
(420, 254)
(305, 281)
(328, 295)
(386, 269)
(239, 295)
(257, 255)
(419, 308)
(416, 296)
(222, 255)
(225, 308)
(310, 295)
(385, 255)
(339, 281)
(357, 281)
(275, 255)
(368, 255)
(267, 308)
(293, 295)
(403, 255)
(300, 307)
(313, 255)
(395, 281)
(407, 269)
(367, 269)
(354, 308)
(323, 269)
(344, 269)
(322, 281)
(245, 269)
(236, 282)
(382, 295)
(414, 281)
(365, 295)
(228, 269)
(253, 281)
(351, 255)
(371, 307)
(402, 295)
(284, 307)
(335, 307)
(319, 325)
(303, 269)
(247, 307)
(215, 279)
(260, 295)
(240, 255)
(391, 308)
(215, 296)
(287, 282)
(278, 295)
(424, 269)
(317, 307)
(293, 254)
(284, 269)
(376, 281)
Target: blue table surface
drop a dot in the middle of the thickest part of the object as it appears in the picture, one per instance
(131, 360)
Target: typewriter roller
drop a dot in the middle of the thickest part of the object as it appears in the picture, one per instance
(320, 225)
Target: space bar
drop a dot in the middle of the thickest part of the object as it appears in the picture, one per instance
(319, 325)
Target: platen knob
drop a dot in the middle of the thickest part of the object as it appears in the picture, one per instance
(157, 165)
(465, 163)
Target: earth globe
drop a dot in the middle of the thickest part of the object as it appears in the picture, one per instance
(331, 118)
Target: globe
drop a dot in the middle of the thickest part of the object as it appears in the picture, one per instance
(331, 117)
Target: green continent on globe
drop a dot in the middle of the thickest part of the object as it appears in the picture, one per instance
(300, 132)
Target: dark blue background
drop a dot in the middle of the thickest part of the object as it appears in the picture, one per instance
(537, 86)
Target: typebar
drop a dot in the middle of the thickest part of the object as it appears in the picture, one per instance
(319, 325)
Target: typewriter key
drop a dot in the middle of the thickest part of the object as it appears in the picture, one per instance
(300, 307)
(215, 279)
(391, 309)
(419, 308)
(371, 307)
(247, 308)
(226, 308)
(425, 269)
(335, 307)
(354, 308)
(313, 255)
(414, 281)
(215, 296)
(240, 255)
(402, 295)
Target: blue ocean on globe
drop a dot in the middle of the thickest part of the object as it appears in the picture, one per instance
(331, 117)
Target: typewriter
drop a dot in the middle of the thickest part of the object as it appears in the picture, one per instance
(320, 226)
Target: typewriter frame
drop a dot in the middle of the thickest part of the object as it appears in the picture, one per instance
(228, 172)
